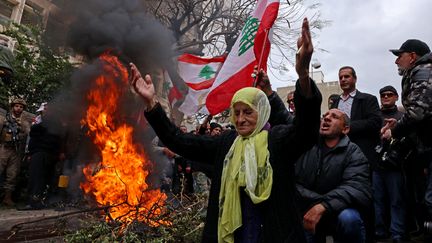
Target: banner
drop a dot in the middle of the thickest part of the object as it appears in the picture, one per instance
(245, 54)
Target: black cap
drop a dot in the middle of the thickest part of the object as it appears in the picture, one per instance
(412, 45)
(388, 88)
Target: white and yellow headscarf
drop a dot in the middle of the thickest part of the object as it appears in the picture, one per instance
(246, 165)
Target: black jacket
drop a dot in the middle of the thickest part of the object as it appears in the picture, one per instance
(338, 179)
(281, 218)
(391, 113)
(365, 125)
(42, 139)
(279, 114)
(393, 156)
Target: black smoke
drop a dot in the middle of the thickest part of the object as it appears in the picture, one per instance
(119, 25)
(93, 27)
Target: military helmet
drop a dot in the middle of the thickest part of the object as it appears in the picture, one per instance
(18, 101)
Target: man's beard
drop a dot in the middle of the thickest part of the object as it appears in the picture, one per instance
(401, 71)
(17, 113)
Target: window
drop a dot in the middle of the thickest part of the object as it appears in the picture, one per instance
(6, 9)
(32, 14)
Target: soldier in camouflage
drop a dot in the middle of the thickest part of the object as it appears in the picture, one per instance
(414, 61)
(13, 135)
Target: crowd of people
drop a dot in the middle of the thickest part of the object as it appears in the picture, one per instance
(283, 175)
(32, 155)
(361, 172)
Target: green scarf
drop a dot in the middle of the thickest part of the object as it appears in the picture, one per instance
(246, 165)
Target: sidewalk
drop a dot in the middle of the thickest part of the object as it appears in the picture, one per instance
(41, 231)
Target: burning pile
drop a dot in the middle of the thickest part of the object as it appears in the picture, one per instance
(119, 180)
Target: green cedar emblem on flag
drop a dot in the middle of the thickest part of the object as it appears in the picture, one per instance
(207, 72)
(248, 35)
(166, 86)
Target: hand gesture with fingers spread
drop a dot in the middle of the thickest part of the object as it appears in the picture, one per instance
(143, 86)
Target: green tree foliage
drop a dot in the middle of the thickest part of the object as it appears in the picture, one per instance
(39, 71)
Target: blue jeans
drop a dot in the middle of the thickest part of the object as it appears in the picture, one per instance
(390, 195)
(349, 227)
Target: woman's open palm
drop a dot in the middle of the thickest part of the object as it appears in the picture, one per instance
(143, 86)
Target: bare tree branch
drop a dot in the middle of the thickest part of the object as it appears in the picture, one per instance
(211, 27)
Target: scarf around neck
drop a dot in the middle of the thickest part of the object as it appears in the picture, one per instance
(246, 165)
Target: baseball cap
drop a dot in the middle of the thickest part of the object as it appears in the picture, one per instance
(412, 45)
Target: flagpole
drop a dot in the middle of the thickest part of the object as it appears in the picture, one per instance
(266, 31)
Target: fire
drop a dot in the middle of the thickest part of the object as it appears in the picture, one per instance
(119, 180)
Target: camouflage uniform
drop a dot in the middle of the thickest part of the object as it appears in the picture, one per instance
(11, 152)
(417, 101)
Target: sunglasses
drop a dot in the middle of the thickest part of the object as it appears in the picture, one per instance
(383, 95)
(290, 100)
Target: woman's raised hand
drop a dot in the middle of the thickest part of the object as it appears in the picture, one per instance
(143, 86)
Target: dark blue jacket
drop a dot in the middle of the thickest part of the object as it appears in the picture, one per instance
(338, 179)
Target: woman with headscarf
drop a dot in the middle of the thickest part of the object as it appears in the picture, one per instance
(252, 197)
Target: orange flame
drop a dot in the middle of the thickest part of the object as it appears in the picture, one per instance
(120, 178)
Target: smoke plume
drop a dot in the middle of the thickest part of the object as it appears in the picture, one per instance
(117, 26)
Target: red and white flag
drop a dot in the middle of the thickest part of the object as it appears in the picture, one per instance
(172, 92)
(245, 54)
(199, 74)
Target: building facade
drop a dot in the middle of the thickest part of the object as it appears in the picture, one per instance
(326, 89)
(29, 12)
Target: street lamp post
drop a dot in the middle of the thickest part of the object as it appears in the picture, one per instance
(314, 65)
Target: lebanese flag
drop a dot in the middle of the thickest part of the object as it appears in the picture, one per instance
(245, 54)
(173, 94)
(199, 74)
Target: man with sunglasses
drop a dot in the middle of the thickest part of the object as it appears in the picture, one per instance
(290, 102)
(388, 179)
(389, 96)
(414, 62)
